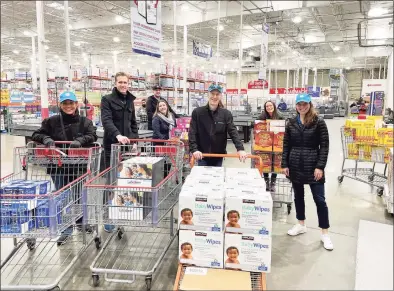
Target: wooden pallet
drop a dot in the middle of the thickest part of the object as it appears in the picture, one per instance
(258, 280)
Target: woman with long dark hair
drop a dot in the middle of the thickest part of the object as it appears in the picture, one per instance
(270, 112)
(305, 152)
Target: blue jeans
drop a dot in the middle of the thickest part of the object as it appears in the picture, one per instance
(320, 201)
(211, 162)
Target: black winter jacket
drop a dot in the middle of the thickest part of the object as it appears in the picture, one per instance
(161, 129)
(208, 131)
(151, 105)
(118, 117)
(305, 149)
(76, 127)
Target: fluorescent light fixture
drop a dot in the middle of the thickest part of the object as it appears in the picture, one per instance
(251, 53)
(173, 53)
(18, 64)
(16, 52)
(143, 63)
(308, 61)
(46, 47)
(283, 42)
(85, 59)
(225, 66)
(77, 63)
(185, 7)
(272, 63)
(77, 43)
(377, 11)
(26, 33)
(101, 62)
(56, 56)
(347, 68)
(60, 61)
(336, 48)
(70, 26)
(115, 52)
(310, 38)
(375, 49)
(129, 59)
(279, 63)
(216, 65)
(119, 18)
(295, 53)
(315, 69)
(116, 39)
(84, 55)
(202, 67)
(221, 27)
(297, 19)
(311, 22)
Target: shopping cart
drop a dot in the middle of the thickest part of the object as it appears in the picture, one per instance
(145, 213)
(258, 280)
(366, 175)
(39, 201)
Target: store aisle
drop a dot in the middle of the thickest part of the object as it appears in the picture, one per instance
(297, 262)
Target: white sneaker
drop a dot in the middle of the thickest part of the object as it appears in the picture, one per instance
(297, 229)
(328, 245)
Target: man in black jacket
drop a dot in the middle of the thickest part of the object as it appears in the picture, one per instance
(151, 105)
(67, 126)
(118, 116)
(209, 127)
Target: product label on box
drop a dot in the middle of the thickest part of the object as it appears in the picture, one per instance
(247, 252)
(263, 141)
(204, 249)
(278, 141)
(201, 211)
(261, 125)
(249, 214)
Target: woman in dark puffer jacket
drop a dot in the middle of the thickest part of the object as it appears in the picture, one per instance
(305, 152)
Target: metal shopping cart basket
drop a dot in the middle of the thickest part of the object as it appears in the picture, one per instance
(367, 175)
(141, 207)
(40, 200)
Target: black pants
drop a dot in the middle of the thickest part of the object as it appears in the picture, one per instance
(320, 201)
(273, 176)
(211, 162)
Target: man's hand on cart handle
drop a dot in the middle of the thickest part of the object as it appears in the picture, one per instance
(122, 139)
(197, 155)
(318, 174)
(242, 156)
(286, 172)
(48, 142)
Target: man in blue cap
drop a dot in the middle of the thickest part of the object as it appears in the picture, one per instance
(209, 127)
(68, 125)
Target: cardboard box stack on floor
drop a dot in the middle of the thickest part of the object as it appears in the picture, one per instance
(243, 240)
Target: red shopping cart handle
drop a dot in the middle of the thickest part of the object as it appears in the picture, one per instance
(259, 161)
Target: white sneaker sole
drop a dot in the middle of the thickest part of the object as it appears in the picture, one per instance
(301, 232)
(328, 249)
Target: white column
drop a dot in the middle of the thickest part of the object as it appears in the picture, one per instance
(217, 45)
(42, 59)
(33, 63)
(322, 75)
(269, 79)
(185, 95)
(294, 79)
(116, 66)
(68, 46)
(240, 48)
(175, 54)
(380, 69)
(276, 66)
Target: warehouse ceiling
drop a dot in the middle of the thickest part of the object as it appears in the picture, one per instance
(320, 34)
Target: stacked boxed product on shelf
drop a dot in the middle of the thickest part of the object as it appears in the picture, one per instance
(243, 240)
(134, 203)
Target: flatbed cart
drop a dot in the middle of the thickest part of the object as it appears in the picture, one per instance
(37, 212)
(146, 225)
(258, 280)
(362, 174)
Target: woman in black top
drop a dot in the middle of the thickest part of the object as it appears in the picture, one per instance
(305, 152)
(270, 112)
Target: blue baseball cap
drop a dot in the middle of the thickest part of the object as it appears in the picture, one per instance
(215, 87)
(68, 96)
(304, 97)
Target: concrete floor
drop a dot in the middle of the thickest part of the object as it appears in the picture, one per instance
(297, 263)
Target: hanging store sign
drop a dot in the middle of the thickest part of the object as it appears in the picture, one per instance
(4, 97)
(259, 84)
(202, 50)
(146, 27)
(372, 85)
(235, 91)
(264, 53)
(313, 91)
(287, 91)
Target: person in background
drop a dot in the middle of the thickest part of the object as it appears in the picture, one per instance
(282, 106)
(68, 125)
(305, 153)
(270, 112)
(119, 121)
(162, 123)
(142, 115)
(209, 127)
(151, 105)
(89, 109)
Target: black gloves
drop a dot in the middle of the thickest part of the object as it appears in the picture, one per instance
(75, 144)
(48, 142)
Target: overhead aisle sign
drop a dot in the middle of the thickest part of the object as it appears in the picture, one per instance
(146, 27)
(264, 53)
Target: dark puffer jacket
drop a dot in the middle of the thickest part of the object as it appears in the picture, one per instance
(305, 149)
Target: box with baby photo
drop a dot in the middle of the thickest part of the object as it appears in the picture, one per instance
(127, 205)
(201, 209)
(201, 248)
(149, 171)
(247, 252)
(248, 212)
